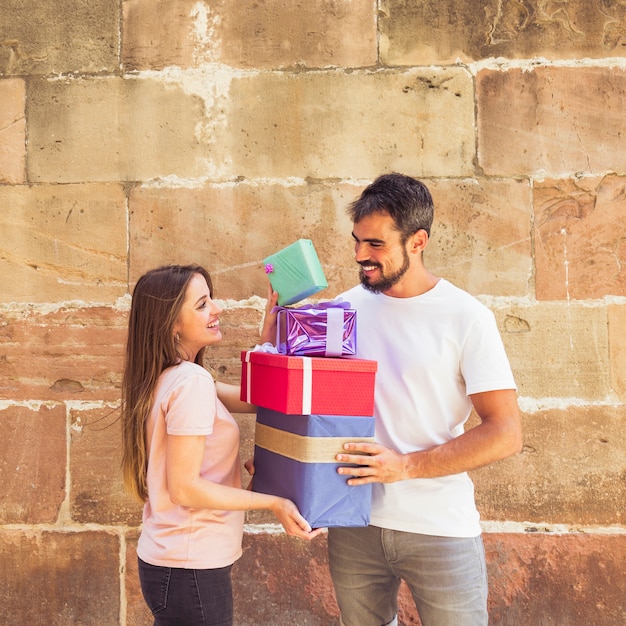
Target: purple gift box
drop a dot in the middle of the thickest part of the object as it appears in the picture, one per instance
(326, 329)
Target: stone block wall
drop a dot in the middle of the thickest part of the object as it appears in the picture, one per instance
(140, 132)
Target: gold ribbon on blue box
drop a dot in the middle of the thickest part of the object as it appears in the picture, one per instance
(294, 457)
(300, 448)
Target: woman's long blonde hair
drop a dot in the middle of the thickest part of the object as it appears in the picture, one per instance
(150, 349)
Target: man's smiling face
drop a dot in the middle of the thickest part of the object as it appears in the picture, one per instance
(380, 252)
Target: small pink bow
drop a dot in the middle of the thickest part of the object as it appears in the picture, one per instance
(269, 268)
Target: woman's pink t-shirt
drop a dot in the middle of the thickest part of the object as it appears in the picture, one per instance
(186, 403)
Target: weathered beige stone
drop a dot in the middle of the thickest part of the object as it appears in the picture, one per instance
(579, 233)
(161, 34)
(617, 349)
(62, 243)
(571, 579)
(97, 493)
(33, 450)
(271, 34)
(418, 121)
(551, 121)
(351, 125)
(246, 430)
(52, 37)
(418, 33)
(12, 131)
(480, 238)
(111, 129)
(557, 350)
(571, 470)
(230, 229)
(69, 354)
(59, 577)
(240, 325)
(299, 591)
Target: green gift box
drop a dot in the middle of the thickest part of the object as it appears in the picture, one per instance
(295, 272)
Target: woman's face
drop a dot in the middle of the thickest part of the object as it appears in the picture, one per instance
(198, 324)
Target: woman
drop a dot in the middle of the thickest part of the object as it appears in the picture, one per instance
(181, 452)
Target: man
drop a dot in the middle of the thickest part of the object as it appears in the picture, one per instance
(439, 354)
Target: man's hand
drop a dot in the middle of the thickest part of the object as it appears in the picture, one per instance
(377, 464)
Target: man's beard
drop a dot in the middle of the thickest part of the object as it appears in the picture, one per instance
(385, 282)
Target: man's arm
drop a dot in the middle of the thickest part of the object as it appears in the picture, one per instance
(498, 436)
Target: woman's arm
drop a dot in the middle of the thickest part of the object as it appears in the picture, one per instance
(230, 397)
(187, 488)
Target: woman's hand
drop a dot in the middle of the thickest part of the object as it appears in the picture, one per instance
(293, 522)
(268, 332)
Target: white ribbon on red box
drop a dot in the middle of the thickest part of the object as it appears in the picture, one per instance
(307, 376)
(307, 384)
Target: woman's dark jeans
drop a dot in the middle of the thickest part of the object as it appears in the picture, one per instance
(187, 597)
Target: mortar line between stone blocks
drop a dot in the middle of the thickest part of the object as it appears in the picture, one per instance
(502, 64)
(492, 527)
(488, 527)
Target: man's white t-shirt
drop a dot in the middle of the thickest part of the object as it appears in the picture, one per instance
(433, 351)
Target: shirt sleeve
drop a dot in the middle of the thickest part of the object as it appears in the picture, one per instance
(192, 406)
(484, 362)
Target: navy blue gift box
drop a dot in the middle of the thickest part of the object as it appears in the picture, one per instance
(294, 457)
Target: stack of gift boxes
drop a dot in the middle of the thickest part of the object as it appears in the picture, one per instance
(312, 395)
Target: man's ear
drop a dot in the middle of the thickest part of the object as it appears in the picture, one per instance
(418, 241)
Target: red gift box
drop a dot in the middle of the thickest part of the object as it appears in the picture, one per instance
(300, 385)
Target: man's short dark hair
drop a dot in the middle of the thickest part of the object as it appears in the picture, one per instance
(407, 200)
